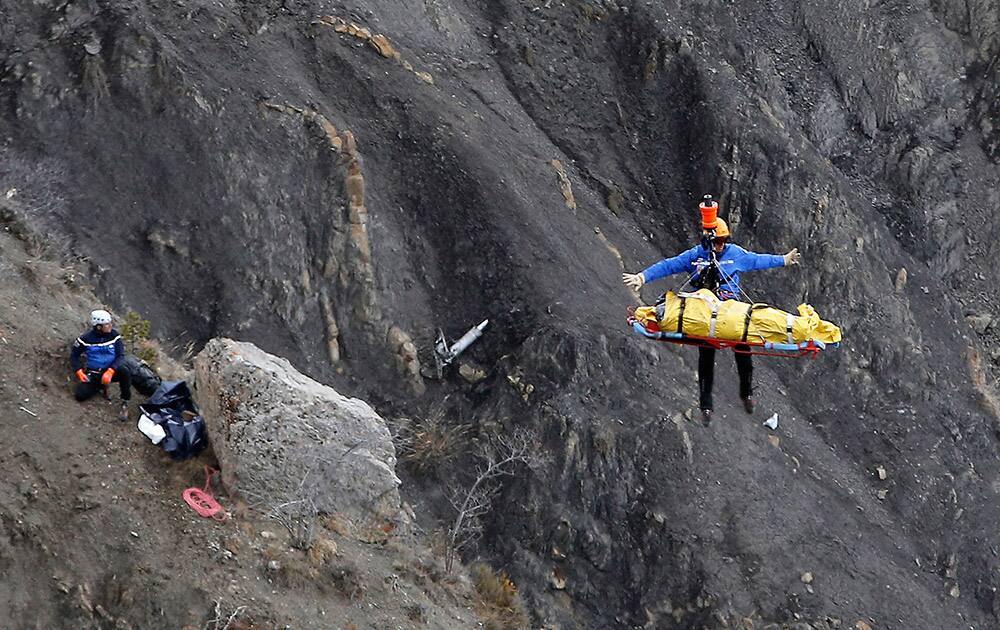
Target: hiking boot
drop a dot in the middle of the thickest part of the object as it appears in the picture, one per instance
(706, 417)
(123, 413)
(748, 404)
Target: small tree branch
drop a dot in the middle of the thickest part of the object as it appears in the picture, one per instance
(499, 459)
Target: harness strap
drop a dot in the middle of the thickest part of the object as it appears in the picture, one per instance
(680, 316)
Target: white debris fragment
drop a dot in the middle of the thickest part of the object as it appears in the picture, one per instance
(772, 422)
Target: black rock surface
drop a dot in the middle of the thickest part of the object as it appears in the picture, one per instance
(177, 146)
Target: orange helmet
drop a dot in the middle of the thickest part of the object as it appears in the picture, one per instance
(721, 229)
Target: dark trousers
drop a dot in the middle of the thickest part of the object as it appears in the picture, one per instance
(706, 374)
(94, 385)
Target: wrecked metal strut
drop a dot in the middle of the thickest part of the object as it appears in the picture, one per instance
(445, 354)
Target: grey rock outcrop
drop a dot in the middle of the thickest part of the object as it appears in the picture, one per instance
(283, 438)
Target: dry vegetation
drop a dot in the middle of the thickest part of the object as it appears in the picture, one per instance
(429, 443)
(500, 604)
(135, 332)
(499, 457)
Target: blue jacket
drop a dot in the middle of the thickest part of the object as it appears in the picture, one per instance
(101, 351)
(733, 261)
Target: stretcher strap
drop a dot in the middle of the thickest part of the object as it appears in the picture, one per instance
(680, 316)
(789, 322)
(746, 323)
(715, 317)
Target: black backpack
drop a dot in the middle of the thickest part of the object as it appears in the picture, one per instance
(172, 410)
(145, 380)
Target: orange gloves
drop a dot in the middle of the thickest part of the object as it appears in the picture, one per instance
(80, 374)
(107, 376)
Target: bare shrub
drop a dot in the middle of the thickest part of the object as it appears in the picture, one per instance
(302, 530)
(297, 513)
(226, 619)
(296, 510)
(429, 443)
(499, 457)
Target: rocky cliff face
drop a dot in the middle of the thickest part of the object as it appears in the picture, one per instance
(333, 180)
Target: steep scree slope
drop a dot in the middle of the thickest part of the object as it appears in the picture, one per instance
(94, 533)
(178, 146)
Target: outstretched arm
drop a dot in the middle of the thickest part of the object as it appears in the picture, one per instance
(752, 261)
(662, 269)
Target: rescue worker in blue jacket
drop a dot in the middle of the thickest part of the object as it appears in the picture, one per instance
(97, 357)
(732, 260)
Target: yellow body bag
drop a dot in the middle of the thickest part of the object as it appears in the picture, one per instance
(703, 314)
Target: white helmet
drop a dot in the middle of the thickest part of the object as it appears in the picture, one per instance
(99, 317)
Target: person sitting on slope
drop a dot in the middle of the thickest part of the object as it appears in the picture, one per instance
(102, 352)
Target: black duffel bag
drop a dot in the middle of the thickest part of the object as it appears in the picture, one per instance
(170, 420)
